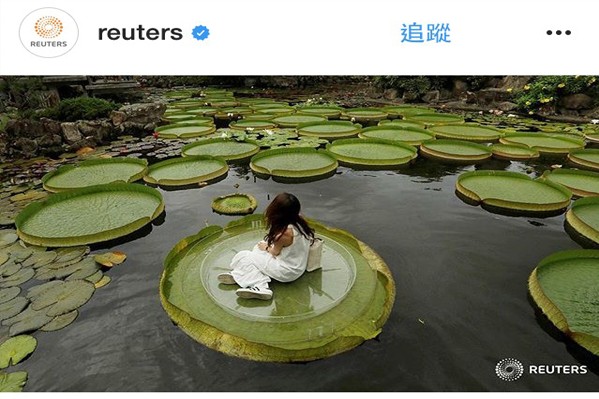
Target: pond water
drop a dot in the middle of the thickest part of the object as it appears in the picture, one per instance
(462, 302)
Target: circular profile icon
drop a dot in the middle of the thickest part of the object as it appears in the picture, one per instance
(48, 32)
(509, 369)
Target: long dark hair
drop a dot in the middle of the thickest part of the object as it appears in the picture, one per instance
(280, 213)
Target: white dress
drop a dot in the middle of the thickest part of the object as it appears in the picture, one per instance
(256, 268)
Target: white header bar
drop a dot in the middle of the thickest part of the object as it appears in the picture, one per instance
(291, 37)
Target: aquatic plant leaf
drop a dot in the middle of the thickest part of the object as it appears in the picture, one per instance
(4, 257)
(294, 120)
(512, 191)
(244, 124)
(514, 152)
(544, 143)
(455, 151)
(364, 114)
(186, 171)
(60, 322)
(583, 217)
(229, 150)
(564, 287)
(87, 268)
(6, 294)
(8, 269)
(7, 238)
(28, 320)
(435, 119)
(581, 182)
(63, 298)
(110, 259)
(407, 135)
(13, 382)
(372, 153)
(329, 129)
(15, 349)
(39, 259)
(65, 220)
(12, 307)
(105, 280)
(93, 278)
(18, 278)
(467, 131)
(587, 158)
(293, 163)
(69, 254)
(234, 204)
(176, 130)
(353, 301)
(38, 289)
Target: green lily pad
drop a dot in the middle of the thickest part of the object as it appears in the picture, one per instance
(296, 119)
(39, 259)
(592, 137)
(93, 172)
(401, 123)
(7, 294)
(581, 182)
(188, 117)
(328, 112)
(7, 238)
(245, 124)
(60, 322)
(467, 131)
(102, 282)
(364, 114)
(12, 307)
(329, 129)
(278, 111)
(518, 152)
(564, 286)
(15, 349)
(229, 150)
(69, 254)
(26, 321)
(407, 135)
(82, 269)
(88, 268)
(234, 204)
(544, 143)
(372, 153)
(455, 151)
(435, 119)
(13, 382)
(93, 278)
(583, 217)
(407, 110)
(64, 219)
(293, 163)
(186, 171)
(38, 289)
(17, 278)
(9, 268)
(63, 298)
(512, 191)
(179, 131)
(352, 295)
(4, 257)
(587, 158)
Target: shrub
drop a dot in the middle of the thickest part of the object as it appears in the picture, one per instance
(416, 86)
(74, 109)
(550, 89)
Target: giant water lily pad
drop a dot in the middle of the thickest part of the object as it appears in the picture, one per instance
(293, 163)
(329, 129)
(186, 171)
(328, 112)
(63, 298)
(65, 219)
(364, 114)
(15, 349)
(351, 296)
(252, 124)
(512, 191)
(296, 119)
(234, 204)
(407, 110)
(584, 217)
(544, 143)
(467, 131)
(406, 135)
(435, 119)
(13, 382)
(401, 123)
(564, 286)
(372, 153)
(587, 158)
(455, 151)
(188, 117)
(518, 152)
(581, 182)
(229, 150)
(176, 131)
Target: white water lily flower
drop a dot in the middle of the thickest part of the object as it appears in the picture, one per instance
(269, 132)
(511, 116)
(249, 129)
(353, 119)
(224, 135)
(594, 121)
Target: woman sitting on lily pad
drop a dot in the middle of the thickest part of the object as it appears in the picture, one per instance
(282, 256)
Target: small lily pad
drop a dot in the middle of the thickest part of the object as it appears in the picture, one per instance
(4, 257)
(7, 238)
(64, 298)
(105, 280)
(38, 289)
(67, 254)
(88, 268)
(60, 322)
(13, 382)
(94, 278)
(28, 320)
(7, 294)
(235, 204)
(39, 259)
(110, 259)
(13, 307)
(8, 269)
(18, 278)
(15, 349)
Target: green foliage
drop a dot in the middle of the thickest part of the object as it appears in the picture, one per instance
(415, 86)
(75, 109)
(23, 92)
(550, 89)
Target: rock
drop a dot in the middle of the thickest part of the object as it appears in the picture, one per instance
(514, 82)
(432, 96)
(26, 146)
(70, 132)
(142, 113)
(391, 94)
(506, 106)
(99, 130)
(409, 97)
(492, 95)
(459, 88)
(576, 101)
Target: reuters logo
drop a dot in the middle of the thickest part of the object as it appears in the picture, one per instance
(509, 369)
(48, 27)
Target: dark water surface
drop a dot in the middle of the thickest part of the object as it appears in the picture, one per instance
(461, 306)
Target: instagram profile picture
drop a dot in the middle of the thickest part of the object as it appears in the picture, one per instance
(48, 32)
